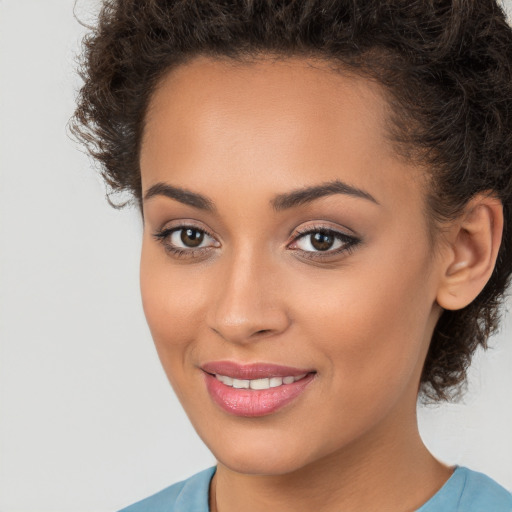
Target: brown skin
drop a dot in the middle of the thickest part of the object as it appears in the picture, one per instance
(362, 319)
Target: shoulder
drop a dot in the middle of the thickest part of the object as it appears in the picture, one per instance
(189, 494)
(481, 494)
(469, 491)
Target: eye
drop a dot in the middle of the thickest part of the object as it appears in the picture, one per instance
(189, 237)
(186, 241)
(320, 242)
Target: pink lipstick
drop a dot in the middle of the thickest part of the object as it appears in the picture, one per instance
(256, 389)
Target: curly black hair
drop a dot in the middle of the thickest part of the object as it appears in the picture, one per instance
(446, 67)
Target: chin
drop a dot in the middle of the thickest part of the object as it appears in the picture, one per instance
(260, 453)
(250, 463)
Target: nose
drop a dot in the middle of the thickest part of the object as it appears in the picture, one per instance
(248, 303)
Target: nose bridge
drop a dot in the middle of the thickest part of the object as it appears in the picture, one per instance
(247, 304)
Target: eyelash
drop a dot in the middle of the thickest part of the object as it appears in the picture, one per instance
(349, 242)
(163, 237)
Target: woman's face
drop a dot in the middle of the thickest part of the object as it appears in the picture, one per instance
(281, 230)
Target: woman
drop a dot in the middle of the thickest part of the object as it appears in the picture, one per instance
(326, 192)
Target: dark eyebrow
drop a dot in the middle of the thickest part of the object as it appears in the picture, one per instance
(307, 194)
(180, 194)
(279, 203)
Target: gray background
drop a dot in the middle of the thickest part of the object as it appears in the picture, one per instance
(88, 421)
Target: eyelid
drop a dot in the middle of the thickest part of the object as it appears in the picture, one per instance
(350, 241)
(326, 227)
(163, 236)
(184, 224)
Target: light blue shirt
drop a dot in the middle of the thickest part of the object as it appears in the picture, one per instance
(465, 491)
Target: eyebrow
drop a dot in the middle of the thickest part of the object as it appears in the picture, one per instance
(308, 194)
(279, 203)
(180, 194)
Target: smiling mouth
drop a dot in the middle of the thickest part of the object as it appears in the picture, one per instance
(254, 371)
(257, 389)
(258, 384)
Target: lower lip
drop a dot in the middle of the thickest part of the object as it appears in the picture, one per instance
(252, 402)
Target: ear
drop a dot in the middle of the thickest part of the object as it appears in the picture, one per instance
(473, 243)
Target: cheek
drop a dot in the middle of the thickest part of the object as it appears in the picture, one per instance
(371, 322)
(172, 305)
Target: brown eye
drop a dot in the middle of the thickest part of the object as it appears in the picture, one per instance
(191, 237)
(322, 241)
(186, 241)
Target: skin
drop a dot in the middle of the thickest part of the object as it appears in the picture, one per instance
(260, 292)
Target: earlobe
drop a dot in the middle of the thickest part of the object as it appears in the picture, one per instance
(474, 243)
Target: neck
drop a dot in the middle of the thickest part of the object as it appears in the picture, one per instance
(386, 470)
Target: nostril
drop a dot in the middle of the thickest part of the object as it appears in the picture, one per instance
(248, 326)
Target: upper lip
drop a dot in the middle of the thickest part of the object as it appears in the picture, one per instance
(252, 370)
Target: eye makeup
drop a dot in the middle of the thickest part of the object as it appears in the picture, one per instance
(174, 240)
(317, 242)
(318, 236)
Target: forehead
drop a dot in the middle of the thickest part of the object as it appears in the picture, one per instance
(209, 93)
(292, 118)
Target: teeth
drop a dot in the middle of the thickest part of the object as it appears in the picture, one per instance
(225, 380)
(275, 382)
(260, 384)
(241, 384)
(272, 382)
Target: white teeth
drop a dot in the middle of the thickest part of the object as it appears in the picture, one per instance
(240, 384)
(275, 382)
(267, 383)
(260, 384)
(225, 380)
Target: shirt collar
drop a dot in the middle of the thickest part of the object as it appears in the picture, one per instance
(194, 495)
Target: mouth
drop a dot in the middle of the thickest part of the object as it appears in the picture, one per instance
(256, 389)
(266, 383)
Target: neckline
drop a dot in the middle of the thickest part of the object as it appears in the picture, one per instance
(454, 483)
(202, 482)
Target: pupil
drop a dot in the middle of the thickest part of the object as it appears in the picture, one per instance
(192, 237)
(322, 241)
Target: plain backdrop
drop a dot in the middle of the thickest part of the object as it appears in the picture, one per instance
(88, 421)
